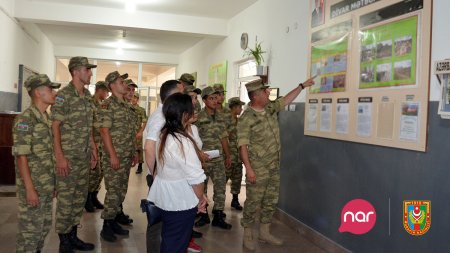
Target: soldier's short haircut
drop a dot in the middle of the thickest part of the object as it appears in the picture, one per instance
(167, 89)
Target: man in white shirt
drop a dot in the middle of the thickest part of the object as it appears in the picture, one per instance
(154, 125)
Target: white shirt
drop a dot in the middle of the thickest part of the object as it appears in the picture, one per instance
(155, 123)
(172, 187)
(196, 137)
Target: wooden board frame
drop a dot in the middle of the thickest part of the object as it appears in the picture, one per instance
(383, 99)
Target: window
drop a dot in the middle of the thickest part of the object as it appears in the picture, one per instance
(246, 73)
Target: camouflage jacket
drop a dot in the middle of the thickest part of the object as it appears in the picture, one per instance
(32, 134)
(232, 139)
(116, 115)
(212, 129)
(76, 116)
(261, 133)
(141, 116)
(97, 137)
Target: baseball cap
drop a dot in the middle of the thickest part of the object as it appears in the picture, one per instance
(208, 91)
(218, 87)
(111, 77)
(130, 82)
(38, 80)
(78, 61)
(235, 101)
(101, 85)
(255, 85)
(187, 78)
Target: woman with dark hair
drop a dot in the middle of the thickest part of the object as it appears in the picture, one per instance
(178, 186)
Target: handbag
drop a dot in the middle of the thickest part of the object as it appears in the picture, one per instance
(148, 207)
(153, 212)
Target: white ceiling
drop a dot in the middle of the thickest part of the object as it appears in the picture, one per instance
(144, 35)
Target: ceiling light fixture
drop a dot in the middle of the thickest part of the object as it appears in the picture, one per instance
(121, 43)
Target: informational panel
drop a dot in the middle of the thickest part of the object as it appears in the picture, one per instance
(371, 65)
(218, 74)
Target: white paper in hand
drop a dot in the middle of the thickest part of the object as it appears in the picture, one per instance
(213, 153)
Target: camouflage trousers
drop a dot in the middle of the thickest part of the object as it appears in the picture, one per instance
(34, 222)
(216, 170)
(96, 175)
(116, 184)
(72, 193)
(262, 195)
(140, 151)
(235, 174)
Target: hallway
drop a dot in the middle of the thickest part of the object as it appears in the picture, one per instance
(214, 239)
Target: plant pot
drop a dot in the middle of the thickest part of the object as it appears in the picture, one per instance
(261, 70)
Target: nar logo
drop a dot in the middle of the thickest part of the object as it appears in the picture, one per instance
(357, 217)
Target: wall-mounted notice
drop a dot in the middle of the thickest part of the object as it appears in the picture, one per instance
(329, 65)
(409, 121)
(317, 12)
(342, 111)
(364, 117)
(312, 114)
(325, 115)
(388, 54)
(347, 6)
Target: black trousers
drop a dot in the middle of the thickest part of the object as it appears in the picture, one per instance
(177, 230)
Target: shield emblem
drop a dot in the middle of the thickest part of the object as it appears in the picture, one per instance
(416, 216)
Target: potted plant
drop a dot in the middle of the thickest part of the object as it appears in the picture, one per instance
(257, 54)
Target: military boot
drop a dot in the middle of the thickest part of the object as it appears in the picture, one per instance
(265, 236)
(224, 215)
(235, 203)
(139, 169)
(204, 219)
(117, 229)
(64, 244)
(123, 219)
(218, 220)
(77, 243)
(95, 200)
(248, 241)
(89, 206)
(107, 232)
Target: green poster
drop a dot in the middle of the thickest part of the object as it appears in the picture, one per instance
(218, 74)
(388, 54)
(329, 65)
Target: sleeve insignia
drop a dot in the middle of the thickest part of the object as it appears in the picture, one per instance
(23, 127)
(59, 100)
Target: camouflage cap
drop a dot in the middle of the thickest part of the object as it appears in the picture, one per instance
(235, 101)
(218, 87)
(192, 88)
(130, 82)
(35, 81)
(255, 85)
(111, 77)
(136, 94)
(78, 61)
(187, 78)
(208, 91)
(101, 85)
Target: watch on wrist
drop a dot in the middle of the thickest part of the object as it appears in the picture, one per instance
(301, 85)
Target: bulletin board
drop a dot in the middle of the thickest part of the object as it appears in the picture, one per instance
(370, 60)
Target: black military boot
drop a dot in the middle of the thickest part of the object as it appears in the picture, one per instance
(88, 205)
(218, 220)
(139, 169)
(123, 219)
(64, 244)
(95, 200)
(196, 234)
(77, 243)
(204, 219)
(224, 215)
(235, 203)
(117, 229)
(107, 232)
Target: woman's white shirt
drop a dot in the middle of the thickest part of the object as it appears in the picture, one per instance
(172, 187)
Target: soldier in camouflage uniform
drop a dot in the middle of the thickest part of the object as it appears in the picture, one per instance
(235, 171)
(118, 137)
(258, 140)
(96, 174)
(75, 152)
(188, 80)
(221, 98)
(214, 135)
(35, 165)
(140, 126)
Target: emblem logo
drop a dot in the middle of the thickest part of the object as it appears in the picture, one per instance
(357, 217)
(417, 216)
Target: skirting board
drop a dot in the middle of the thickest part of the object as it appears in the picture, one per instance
(312, 235)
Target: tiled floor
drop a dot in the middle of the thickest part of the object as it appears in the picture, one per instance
(214, 239)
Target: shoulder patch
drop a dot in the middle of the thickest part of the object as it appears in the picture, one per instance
(23, 127)
(59, 100)
(104, 106)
